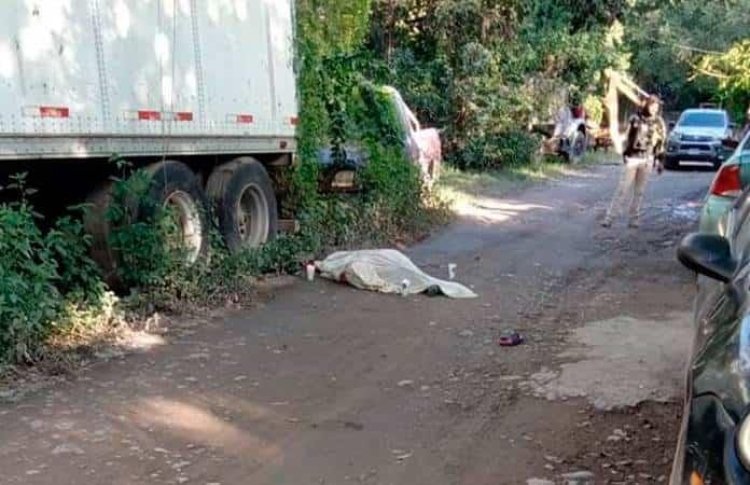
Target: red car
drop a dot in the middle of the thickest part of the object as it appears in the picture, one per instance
(423, 148)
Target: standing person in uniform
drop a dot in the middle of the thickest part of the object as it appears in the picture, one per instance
(644, 151)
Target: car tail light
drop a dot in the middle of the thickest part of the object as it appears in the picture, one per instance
(727, 182)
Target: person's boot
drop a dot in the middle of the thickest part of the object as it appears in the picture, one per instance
(607, 222)
(634, 223)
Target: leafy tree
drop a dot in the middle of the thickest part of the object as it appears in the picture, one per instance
(484, 69)
(732, 71)
(669, 39)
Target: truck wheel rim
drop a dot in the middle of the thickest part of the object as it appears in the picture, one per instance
(252, 217)
(189, 224)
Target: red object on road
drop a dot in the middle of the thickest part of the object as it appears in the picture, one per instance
(510, 339)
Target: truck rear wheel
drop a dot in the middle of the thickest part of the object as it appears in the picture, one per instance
(578, 146)
(172, 186)
(176, 188)
(97, 226)
(243, 197)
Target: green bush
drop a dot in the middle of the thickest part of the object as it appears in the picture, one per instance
(505, 150)
(41, 275)
(29, 300)
(140, 232)
(342, 104)
(68, 245)
(595, 108)
(394, 186)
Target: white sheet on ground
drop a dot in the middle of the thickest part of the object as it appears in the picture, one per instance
(385, 270)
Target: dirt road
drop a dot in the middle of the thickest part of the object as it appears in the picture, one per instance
(328, 385)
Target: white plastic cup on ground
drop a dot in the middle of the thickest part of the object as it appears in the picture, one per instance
(310, 271)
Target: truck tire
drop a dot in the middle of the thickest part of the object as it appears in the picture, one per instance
(578, 147)
(175, 186)
(245, 203)
(97, 226)
(172, 185)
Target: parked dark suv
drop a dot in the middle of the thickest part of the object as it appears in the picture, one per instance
(698, 136)
(714, 443)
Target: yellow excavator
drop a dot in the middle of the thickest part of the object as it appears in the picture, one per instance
(618, 84)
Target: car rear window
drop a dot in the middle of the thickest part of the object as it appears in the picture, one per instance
(712, 120)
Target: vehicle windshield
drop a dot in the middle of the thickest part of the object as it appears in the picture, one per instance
(703, 119)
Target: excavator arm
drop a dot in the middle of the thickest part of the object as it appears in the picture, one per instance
(620, 84)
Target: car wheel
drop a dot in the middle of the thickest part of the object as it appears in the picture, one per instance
(718, 164)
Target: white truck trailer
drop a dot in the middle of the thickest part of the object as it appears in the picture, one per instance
(200, 92)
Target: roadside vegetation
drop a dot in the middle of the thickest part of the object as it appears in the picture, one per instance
(482, 70)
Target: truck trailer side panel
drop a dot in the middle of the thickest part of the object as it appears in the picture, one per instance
(89, 78)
